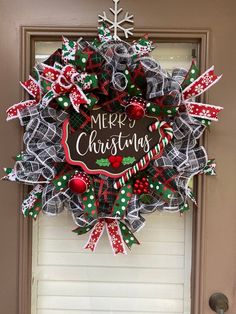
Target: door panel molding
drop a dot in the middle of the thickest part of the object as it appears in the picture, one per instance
(31, 34)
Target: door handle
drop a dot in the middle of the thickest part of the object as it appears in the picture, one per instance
(219, 303)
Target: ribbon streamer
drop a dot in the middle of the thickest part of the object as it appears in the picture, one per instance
(196, 88)
(203, 111)
(31, 205)
(33, 88)
(113, 232)
(201, 84)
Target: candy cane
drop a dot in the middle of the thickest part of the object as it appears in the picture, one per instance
(166, 133)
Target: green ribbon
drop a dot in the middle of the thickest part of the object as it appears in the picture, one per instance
(61, 182)
(32, 204)
(205, 122)
(131, 88)
(191, 76)
(184, 208)
(161, 190)
(36, 209)
(127, 235)
(154, 109)
(89, 202)
(63, 101)
(122, 200)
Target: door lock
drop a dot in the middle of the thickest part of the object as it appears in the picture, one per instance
(219, 303)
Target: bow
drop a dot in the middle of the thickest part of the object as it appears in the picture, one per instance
(118, 232)
(68, 81)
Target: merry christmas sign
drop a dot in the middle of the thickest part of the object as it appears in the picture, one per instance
(114, 144)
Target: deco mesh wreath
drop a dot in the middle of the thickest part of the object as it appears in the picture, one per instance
(111, 136)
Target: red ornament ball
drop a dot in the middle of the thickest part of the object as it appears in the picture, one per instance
(79, 183)
(135, 108)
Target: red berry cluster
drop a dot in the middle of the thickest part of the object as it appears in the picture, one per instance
(115, 161)
(141, 186)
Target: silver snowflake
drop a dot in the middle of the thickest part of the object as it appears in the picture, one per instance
(117, 25)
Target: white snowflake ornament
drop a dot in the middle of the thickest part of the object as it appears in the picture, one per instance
(117, 25)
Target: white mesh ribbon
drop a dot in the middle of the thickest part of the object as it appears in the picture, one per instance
(42, 139)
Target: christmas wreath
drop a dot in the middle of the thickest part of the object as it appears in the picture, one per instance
(111, 136)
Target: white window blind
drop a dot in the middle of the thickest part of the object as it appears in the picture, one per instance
(153, 278)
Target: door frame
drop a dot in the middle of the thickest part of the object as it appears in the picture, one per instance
(31, 34)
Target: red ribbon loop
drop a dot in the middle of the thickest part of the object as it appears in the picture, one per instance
(33, 88)
(64, 81)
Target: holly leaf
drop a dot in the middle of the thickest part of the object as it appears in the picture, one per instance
(103, 162)
(128, 160)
